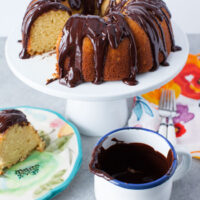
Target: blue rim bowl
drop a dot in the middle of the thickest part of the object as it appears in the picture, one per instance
(152, 184)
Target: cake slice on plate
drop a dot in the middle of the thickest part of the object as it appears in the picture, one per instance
(18, 138)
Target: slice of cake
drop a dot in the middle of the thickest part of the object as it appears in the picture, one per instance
(42, 23)
(18, 138)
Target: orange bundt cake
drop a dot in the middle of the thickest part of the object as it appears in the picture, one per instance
(105, 40)
(17, 138)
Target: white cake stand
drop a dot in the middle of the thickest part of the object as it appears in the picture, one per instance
(95, 109)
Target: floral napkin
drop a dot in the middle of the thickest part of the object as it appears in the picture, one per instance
(187, 122)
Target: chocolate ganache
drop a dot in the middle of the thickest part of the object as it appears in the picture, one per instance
(130, 162)
(75, 4)
(147, 14)
(89, 6)
(101, 33)
(39, 7)
(34, 10)
(9, 118)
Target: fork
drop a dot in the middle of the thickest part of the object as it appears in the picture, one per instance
(167, 110)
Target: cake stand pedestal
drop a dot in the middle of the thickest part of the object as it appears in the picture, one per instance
(95, 109)
(95, 118)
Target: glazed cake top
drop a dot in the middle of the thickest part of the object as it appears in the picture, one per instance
(9, 118)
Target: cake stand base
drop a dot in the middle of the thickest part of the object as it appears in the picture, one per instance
(96, 118)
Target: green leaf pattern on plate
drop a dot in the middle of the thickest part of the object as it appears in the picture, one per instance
(13, 183)
(45, 137)
(58, 144)
(55, 180)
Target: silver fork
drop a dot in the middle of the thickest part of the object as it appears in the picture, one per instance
(167, 110)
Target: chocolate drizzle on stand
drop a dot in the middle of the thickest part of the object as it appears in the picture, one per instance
(33, 11)
(51, 80)
(101, 33)
(9, 118)
(130, 162)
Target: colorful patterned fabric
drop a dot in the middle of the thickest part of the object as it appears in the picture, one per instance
(187, 122)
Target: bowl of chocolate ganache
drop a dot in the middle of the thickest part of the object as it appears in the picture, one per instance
(133, 162)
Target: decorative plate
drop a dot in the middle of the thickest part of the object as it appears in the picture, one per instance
(43, 175)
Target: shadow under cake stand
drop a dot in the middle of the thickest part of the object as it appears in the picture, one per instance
(95, 109)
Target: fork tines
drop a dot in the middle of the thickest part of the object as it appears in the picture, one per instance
(167, 100)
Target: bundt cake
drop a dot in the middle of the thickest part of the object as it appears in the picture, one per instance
(102, 40)
(17, 138)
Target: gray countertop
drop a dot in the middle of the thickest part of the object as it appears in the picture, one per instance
(15, 93)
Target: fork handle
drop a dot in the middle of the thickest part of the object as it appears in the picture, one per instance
(171, 133)
(163, 127)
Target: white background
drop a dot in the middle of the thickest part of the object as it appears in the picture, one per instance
(186, 13)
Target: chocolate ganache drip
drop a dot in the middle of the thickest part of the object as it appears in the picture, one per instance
(89, 6)
(75, 4)
(99, 4)
(33, 11)
(101, 33)
(147, 14)
(9, 118)
(115, 7)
